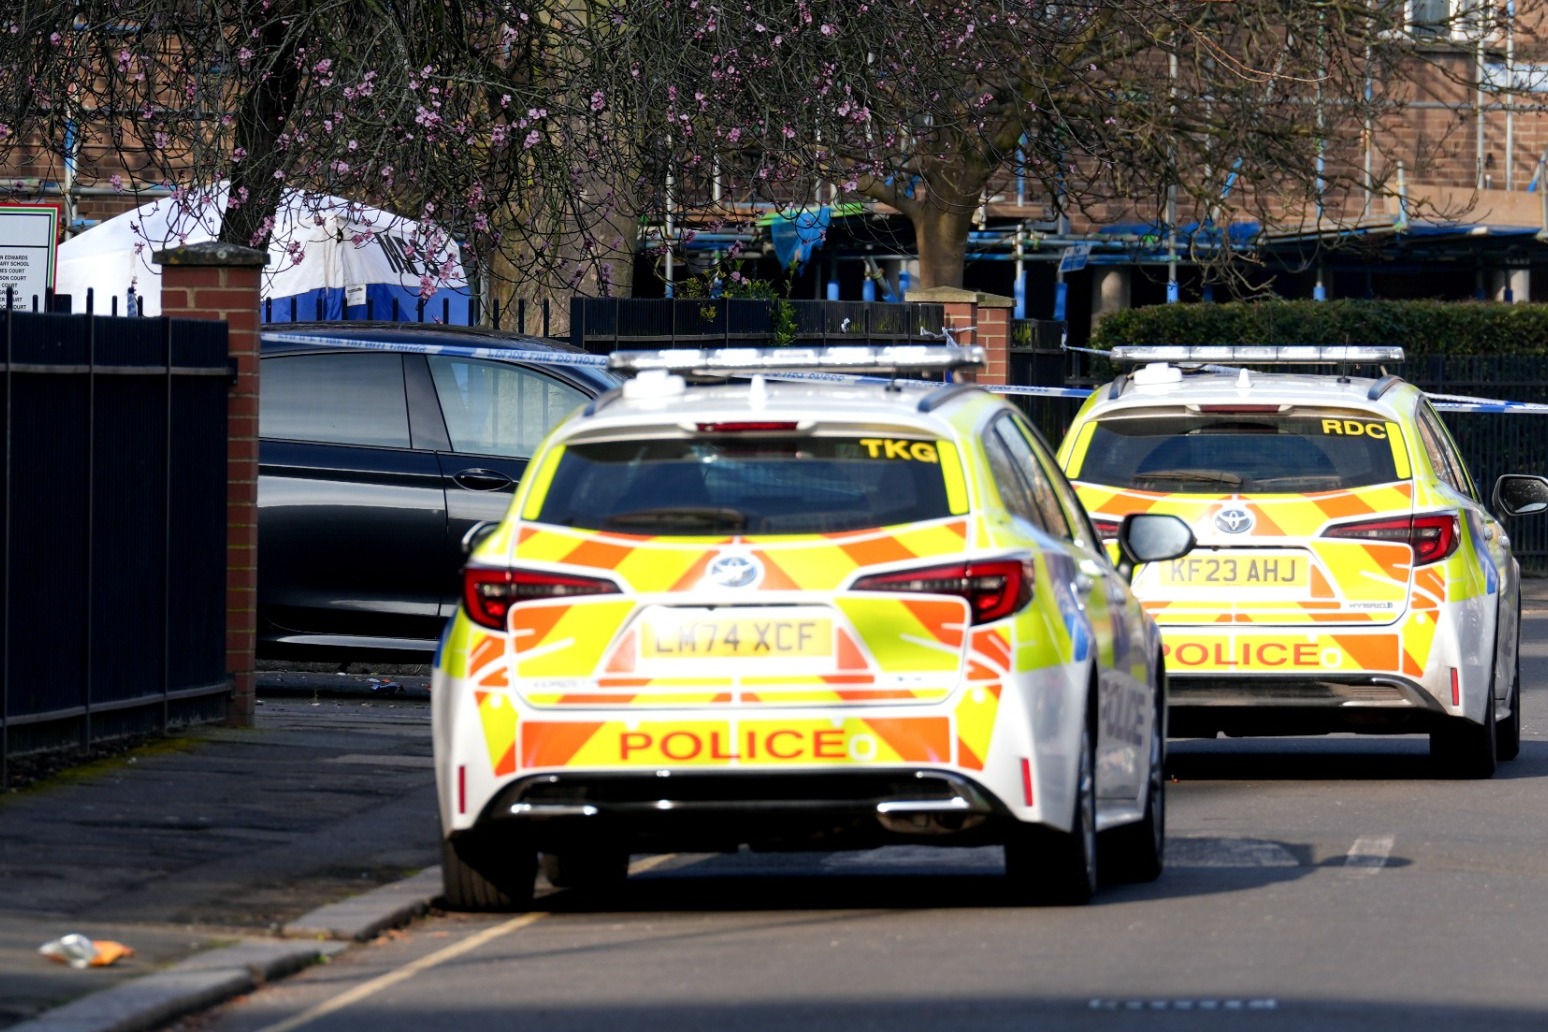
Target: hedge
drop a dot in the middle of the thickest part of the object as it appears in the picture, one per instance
(1421, 327)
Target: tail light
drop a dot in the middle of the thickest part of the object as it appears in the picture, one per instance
(1432, 537)
(1106, 529)
(488, 594)
(995, 589)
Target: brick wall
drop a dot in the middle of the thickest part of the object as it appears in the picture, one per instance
(221, 281)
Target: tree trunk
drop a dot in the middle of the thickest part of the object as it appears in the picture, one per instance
(941, 234)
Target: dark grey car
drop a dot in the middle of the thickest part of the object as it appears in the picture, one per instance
(382, 444)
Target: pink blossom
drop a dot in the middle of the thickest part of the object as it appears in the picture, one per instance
(598, 100)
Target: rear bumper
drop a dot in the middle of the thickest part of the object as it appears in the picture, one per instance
(1369, 704)
(718, 811)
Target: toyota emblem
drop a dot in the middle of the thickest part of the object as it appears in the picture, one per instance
(735, 571)
(1234, 520)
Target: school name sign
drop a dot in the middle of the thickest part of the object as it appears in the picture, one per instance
(29, 248)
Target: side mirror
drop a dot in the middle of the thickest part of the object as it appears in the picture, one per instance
(476, 534)
(1147, 537)
(1520, 494)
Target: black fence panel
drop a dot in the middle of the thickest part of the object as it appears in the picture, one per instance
(112, 528)
(603, 325)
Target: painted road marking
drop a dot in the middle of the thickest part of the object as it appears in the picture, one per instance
(1368, 854)
(365, 990)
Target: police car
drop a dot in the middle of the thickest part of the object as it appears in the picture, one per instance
(729, 607)
(1350, 577)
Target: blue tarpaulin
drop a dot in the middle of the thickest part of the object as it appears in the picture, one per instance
(796, 235)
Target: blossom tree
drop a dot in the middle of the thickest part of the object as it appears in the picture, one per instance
(547, 135)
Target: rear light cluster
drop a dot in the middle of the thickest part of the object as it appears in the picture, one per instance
(1106, 529)
(994, 589)
(488, 594)
(1432, 537)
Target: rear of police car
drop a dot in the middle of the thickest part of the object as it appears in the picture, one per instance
(1341, 582)
(746, 612)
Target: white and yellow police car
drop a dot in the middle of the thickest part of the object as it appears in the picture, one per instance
(1350, 577)
(844, 611)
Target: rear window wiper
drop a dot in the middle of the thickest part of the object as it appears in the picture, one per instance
(677, 516)
(1173, 476)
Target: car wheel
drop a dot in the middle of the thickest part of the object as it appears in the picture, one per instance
(1136, 852)
(1059, 868)
(1464, 749)
(1507, 734)
(597, 869)
(484, 870)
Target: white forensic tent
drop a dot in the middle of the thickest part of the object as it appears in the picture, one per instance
(329, 258)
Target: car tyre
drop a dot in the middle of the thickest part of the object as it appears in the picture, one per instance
(1507, 733)
(1047, 867)
(1464, 749)
(483, 870)
(1137, 852)
(598, 869)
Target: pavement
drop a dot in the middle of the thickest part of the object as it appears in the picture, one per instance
(230, 857)
(224, 857)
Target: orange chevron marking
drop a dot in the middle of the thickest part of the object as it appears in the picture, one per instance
(580, 699)
(978, 672)
(848, 679)
(507, 761)
(598, 554)
(1339, 506)
(849, 655)
(916, 739)
(1430, 580)
(495, 679)
(486, 651)
(992, 646)
(531, 624)
(1265, 524)
(622, 659)
(875, 551)
(873, 696)
(1371, 651)
(622, 682)
(1320, 588)
(967, 758)
(774, 578)
(523, 533)
(942, 619)
(694, 574)
(549, 744)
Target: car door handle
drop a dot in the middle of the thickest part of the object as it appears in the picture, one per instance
(482, 479)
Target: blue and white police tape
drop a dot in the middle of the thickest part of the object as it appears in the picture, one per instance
(1442, 402)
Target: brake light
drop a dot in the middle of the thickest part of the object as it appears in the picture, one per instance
(488, 594)
(994, 589)
(1432, 537)
(746, 427)
(1106, 529)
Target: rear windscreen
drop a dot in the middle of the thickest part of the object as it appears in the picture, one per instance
(746, 485)
(1205, 452)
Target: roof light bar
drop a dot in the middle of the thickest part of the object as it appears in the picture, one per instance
(844, 358)
(1257, 354)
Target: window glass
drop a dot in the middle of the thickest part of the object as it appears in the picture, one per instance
(1078, 520)
(763, 484)
(1039, 491)
(493, 408)
(1014, 490)
(355, 398)
(1295, 452)
(1443, 453)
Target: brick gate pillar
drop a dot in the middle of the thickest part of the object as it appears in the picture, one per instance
(221, 281)
(976, 318)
